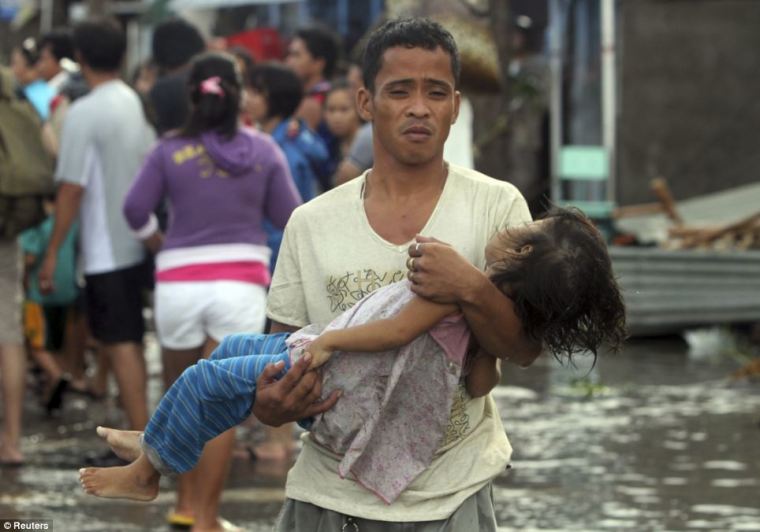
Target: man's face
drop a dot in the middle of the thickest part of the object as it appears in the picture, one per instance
(47, 65)
(413, 105)
(301, 61)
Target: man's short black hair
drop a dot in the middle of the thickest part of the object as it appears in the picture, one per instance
(101, 43)
(414, 32)
(322, 44)
(61, 43)
(280, 86)
(175, 42)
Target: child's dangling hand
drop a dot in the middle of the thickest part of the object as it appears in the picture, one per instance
(321, 350)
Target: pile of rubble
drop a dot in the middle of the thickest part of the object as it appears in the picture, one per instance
(742, 234)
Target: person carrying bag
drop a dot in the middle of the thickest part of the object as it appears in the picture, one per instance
(26, 169)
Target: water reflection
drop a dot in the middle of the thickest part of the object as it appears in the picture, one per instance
(665, 443)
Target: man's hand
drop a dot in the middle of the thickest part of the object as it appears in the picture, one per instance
(295, 396)
(439, 273)
(67, 201)
(154, 242)
(46, 273)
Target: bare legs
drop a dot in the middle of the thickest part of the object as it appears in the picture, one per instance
(199, 491)
(13, 374)
(75, 344)
(128, 364)
(49, 365)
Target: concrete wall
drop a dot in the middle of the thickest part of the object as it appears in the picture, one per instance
(689, 96)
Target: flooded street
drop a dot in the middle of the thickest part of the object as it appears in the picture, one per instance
(665, 443)
(652, 439)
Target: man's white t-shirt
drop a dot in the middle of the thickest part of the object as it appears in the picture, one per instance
(104, 141)
(329, 259)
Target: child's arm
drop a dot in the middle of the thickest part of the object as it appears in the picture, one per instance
(484, 375)
(417, 317)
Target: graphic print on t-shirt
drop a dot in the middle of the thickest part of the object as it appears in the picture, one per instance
(205, 163)
(344, 291)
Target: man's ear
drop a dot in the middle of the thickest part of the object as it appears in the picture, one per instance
(457, 102)
(364, 104)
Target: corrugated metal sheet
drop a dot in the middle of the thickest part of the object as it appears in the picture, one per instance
(668, 291)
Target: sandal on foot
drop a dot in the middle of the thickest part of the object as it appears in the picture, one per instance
(177, 520)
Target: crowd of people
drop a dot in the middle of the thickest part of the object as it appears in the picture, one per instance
(211, 182)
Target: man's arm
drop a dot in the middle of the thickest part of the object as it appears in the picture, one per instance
(67, 204)
(295, 396)
(417, 317)
(484, 375)
(443, 275)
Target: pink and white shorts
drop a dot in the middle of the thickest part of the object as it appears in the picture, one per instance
(189, 311)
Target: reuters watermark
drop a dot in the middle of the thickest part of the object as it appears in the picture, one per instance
(26, 524)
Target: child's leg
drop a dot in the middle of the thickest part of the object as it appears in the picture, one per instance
(208, 398)
(137, 481)
(238, 345)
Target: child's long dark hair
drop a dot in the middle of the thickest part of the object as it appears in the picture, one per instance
(211, 109)
(564, 289)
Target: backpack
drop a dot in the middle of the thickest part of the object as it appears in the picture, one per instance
(26, 169)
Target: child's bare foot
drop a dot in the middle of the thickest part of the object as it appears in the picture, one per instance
(127, 482)
(124, 443)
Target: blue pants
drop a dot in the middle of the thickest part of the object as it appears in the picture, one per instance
(209, 398)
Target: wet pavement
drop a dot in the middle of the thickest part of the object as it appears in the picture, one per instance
(651, 439)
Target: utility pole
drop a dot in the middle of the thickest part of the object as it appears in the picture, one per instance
(501, 30)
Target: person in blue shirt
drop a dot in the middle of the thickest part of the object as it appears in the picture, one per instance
(273, 95)
(313, 55)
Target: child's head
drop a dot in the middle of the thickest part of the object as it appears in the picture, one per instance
(557, 272)
(274, 91)
(214, 88)
(340, 110)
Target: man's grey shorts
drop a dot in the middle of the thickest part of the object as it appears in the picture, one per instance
(11, 295)
(476, 514)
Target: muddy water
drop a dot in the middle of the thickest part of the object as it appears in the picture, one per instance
(650, 440)
(665, 442)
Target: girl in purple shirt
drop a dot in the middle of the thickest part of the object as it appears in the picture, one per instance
(220, 181)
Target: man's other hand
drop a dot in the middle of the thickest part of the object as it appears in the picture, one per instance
(293, 397)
